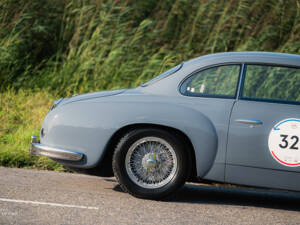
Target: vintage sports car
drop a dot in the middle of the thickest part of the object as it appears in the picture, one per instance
(227, 117)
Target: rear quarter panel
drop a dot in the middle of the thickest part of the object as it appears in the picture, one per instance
(87, 126)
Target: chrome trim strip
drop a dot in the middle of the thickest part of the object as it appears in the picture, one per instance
(42, 150)
(249, 121)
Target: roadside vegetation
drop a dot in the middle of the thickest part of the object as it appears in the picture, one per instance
(21, 116)
(55, 48)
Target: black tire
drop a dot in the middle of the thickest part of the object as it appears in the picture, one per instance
(179, 175)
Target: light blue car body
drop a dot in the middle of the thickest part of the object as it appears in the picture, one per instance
(224, 150)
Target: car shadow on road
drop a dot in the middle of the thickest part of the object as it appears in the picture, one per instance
(233, 195)
(240, 196)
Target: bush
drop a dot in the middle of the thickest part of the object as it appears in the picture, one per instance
(75, 46)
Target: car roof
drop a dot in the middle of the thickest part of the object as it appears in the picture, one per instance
(170, 84)
(249, 57)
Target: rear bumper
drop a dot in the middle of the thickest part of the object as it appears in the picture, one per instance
(56, 153)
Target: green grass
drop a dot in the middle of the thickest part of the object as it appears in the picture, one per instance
(56, 48)
(21, 115)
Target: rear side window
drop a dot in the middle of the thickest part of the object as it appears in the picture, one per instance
(219, 81)
(272, 83)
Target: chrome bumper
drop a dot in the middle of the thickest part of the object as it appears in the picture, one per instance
(56, 153)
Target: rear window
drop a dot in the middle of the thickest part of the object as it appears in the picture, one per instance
(163, 75)
(219, 81)
(272, 83)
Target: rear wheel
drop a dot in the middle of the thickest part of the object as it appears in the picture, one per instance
(150, 163)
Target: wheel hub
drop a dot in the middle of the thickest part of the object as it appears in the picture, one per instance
(149, 162)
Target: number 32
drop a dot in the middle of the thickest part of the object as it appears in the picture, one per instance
(285, 143)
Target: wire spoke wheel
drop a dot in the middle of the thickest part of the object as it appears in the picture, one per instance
(151, 162)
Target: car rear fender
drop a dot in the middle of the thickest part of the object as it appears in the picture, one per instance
(196, 126)
(87, 127)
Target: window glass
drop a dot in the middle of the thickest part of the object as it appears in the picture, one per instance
(220, 81)
(272, 83)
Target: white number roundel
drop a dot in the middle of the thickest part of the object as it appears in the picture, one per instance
(284, 143)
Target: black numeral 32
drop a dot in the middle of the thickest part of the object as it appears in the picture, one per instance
(284, 142)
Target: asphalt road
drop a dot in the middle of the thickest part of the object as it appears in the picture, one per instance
(41, 197)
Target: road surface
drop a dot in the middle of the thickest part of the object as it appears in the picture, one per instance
(42, 197)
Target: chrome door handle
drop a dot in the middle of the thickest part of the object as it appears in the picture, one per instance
(249, 121)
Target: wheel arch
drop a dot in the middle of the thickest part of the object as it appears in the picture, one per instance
(114, 140)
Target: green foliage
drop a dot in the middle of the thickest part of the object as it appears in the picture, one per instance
(20, 116)
(76, 46)
(60, 47)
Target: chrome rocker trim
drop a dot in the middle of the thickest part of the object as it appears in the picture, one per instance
(56, 153)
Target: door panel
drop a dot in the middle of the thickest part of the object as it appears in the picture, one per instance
(263, 146)
(248, 143)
